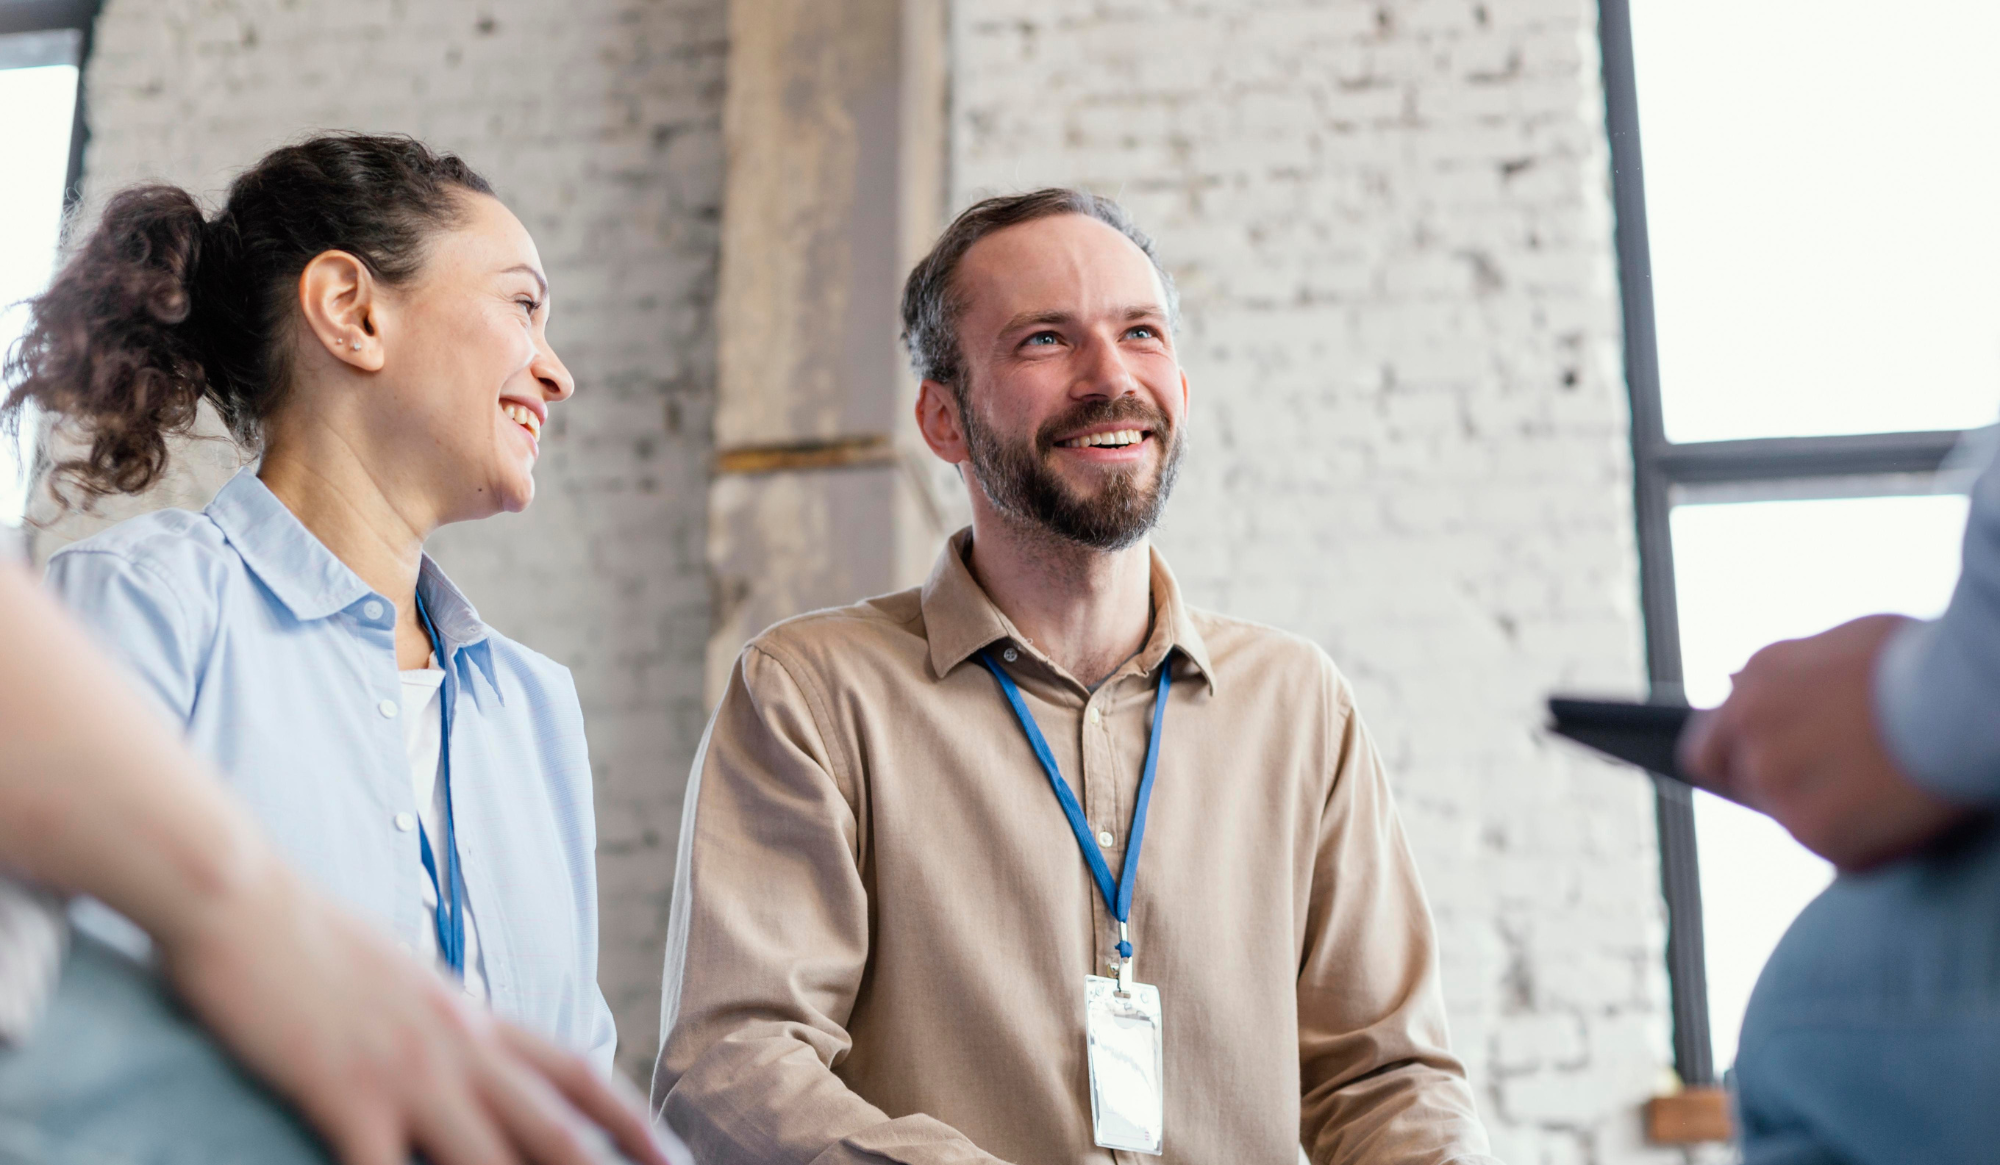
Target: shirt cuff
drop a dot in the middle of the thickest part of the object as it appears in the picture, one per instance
(1934, 703)
(33, 935)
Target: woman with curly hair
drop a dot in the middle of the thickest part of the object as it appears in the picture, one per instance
(368, 317)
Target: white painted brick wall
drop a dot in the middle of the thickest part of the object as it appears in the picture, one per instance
(598, 121)
(1390, 223)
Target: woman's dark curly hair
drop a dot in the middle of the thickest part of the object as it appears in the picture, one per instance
(162, 308)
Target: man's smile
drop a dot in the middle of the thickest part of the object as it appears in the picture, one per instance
(1113, 438)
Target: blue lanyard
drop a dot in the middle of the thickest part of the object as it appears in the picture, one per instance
(1117, 896)
(450, 917)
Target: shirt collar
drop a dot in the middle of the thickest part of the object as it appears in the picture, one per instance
(286, 557)
(960, 618)
(458, 622)
(307, 577)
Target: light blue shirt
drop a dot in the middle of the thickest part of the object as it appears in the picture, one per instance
(281, 663)
(1937, 684)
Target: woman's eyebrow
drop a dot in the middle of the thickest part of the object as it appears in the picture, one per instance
(540, 279)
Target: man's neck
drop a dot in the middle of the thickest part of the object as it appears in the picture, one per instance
(1088, 610)
(353, 515)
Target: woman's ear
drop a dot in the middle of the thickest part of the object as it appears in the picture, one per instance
(338, 296)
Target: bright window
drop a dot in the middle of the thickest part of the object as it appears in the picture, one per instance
(1821, 190)
(38, 89)
(1812, 325)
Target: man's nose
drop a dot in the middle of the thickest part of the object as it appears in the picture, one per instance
(1103, 371)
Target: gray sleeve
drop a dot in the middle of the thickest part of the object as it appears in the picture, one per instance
(1937, 684)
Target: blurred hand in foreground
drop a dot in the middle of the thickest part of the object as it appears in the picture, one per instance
(98, 797)
(1797, 740)
(378, 1054)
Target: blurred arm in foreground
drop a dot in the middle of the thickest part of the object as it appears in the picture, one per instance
(1873, 1035)
(98, 798)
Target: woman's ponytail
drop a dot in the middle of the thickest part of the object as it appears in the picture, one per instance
(107, 345)
(161, 308)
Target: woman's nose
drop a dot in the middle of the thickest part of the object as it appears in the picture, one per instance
(557, 383)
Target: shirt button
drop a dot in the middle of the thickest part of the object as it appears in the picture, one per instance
(1096, 717)
(1010, 655)
(1105, 839)
(406, 823)
(387, 708)
(371, 609)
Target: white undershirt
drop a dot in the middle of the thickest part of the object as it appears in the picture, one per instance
(422, 738)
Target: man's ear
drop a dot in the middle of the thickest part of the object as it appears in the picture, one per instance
(939, 422)
(339, 297)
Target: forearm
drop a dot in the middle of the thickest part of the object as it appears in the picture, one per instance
(97, 797)
(1412, 1113)
(760, 1094)
(768, 946)
(1937, 684)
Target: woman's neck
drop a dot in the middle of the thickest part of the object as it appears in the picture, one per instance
(353, 514)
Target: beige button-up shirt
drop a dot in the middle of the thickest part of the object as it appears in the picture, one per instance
(881, 921)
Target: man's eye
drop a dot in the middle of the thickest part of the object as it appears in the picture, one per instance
(528, 304)
(1044, 338)
(1143, 332)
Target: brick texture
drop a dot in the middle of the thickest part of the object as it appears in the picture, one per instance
(1390, 224)
(598, 121)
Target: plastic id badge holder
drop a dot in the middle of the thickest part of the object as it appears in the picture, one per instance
(1127, 1096)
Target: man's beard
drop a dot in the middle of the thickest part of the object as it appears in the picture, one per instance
(1021, 483)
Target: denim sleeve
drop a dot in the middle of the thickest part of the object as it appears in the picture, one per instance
(134, 613)
(1937, 684)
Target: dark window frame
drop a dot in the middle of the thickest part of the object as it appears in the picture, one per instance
(1763, 466)
(18, 16)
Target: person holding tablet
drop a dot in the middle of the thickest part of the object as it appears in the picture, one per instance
(1873, 1035)
(370, 318)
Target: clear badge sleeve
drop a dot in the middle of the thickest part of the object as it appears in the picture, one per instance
(1127, 1062)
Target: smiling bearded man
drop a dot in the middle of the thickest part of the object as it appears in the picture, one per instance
(1018, 479)
(912, 921)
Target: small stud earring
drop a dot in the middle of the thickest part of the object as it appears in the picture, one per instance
(357, 345)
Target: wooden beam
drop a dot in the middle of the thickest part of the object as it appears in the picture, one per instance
(873, 449)
(1690, 1116)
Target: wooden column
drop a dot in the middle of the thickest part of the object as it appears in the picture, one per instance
(835, 127)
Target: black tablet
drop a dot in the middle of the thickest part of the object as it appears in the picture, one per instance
(1642, 734)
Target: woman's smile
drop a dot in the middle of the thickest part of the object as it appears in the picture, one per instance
(525, 416)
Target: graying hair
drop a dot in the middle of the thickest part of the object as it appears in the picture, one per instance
(932, 305)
